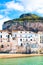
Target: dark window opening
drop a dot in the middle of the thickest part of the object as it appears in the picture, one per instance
(8, 38)
(1, 36)
(21, 44)
(31, 39)
(27, 43)
(26, 39)
(41, 39)
(20, 39)
(2, 46)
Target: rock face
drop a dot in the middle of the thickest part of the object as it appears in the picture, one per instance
(25, 25)
(25, 22)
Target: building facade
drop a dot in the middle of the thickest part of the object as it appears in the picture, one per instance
(21, 41)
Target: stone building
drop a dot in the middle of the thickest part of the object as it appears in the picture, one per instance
(21, 41)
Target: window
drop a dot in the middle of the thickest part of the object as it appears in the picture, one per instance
(41, 39)
(34, 45)
(20, 39)
(0, 36)
(21, 44)
(2, 46)
(31, 39)
(26, 39)
(8, 38)
(15, 35)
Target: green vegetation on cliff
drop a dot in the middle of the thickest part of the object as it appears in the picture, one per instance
(28, 16)
(25, 22)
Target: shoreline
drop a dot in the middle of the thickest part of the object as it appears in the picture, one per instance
(18, 55)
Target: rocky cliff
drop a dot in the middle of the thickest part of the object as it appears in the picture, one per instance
(25, 22)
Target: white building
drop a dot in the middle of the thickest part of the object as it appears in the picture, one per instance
(11, 41)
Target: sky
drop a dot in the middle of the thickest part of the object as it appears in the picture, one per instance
(11, 9)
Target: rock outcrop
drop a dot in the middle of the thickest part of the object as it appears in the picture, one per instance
(25, 23)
